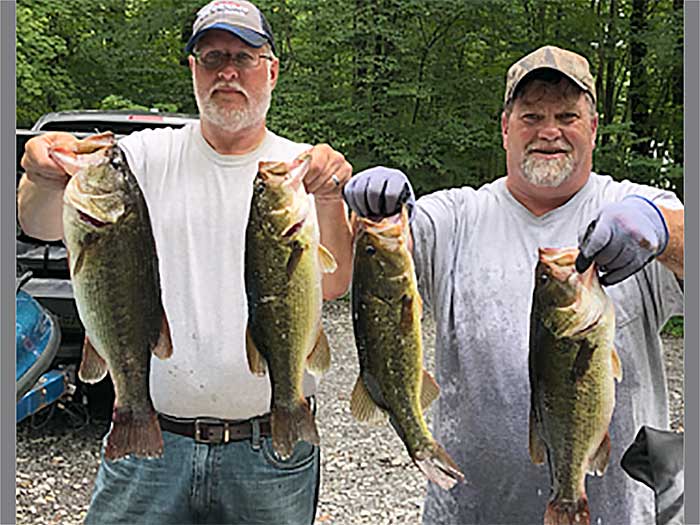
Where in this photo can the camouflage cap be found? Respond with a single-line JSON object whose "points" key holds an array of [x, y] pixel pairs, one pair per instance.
{"points": [[574, 66]]}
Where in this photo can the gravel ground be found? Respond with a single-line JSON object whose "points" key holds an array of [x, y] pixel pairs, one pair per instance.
{"points": [[367, 476]]}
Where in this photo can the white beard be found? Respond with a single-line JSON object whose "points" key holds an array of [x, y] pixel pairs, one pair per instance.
{"points": [[233, 120], [547, 173]]}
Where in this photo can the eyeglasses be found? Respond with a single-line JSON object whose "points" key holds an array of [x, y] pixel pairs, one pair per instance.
{"points": [[216, 58]]}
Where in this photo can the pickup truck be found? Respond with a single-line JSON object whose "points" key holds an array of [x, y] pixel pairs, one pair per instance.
{"points": [[50, 282]]}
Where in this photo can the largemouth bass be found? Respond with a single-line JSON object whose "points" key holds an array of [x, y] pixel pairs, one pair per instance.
{"points": [[387, 309], [284, 263], [573, 367], [114, 272]]}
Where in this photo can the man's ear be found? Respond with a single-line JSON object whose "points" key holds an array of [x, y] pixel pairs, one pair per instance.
{"points": [[274, 72], [190, 62], [504, 130], [594, 129]]}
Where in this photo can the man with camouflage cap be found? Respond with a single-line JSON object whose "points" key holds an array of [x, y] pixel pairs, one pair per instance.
{"points": [[475, 251]]}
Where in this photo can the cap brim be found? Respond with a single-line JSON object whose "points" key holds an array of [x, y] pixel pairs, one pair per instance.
{"points": [[581, 86], [250, 37]]}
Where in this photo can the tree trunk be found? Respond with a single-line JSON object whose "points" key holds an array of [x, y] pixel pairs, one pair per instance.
{"points": [[608, 100], [639, 82], [677, 84]]}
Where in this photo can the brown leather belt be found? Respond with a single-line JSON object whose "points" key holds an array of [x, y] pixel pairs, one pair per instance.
{"points": [[217, 431], [214, 431]]}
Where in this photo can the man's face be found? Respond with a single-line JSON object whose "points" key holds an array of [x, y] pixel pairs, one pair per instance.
{"points": [[550, 135], [231, 98]]}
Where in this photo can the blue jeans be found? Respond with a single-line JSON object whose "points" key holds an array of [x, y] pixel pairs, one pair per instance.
{"points": [[241, 482]]}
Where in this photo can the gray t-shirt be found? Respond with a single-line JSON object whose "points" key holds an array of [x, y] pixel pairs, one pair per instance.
{"points": [[475, 253]]}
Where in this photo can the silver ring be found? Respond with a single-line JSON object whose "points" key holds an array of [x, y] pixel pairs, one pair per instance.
{"points": [[335, 180]]}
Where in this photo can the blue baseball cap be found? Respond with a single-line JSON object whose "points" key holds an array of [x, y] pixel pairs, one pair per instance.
{"points": [[240, 18]]}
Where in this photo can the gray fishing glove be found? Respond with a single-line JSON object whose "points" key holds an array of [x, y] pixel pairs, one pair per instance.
{"points": [[379, 192], [624, 237]]}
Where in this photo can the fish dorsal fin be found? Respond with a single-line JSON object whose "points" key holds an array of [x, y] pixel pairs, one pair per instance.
{"points": [[598, 463], [429, 391], [616, 365], [256, 362], [319, 360], [363, 407], [93, 368], [328, 263], [163, 348], [535, 444]]}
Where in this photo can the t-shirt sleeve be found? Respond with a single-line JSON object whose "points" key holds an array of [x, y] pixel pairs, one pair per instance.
{"points": [[437, 232], [134, 148], [664, 198]]}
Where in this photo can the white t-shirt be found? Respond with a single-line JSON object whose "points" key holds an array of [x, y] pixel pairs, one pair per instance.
{"points": [[199, 202], [475, 253]]}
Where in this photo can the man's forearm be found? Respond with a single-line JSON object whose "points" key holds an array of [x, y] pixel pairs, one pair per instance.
{"points": [[337, 238], [672, 257], [40, 208]]}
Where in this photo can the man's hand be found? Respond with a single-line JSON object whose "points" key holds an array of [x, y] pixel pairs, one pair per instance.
{"points": [[327, 173], [379, 192], [624, 237], [39, 166]]}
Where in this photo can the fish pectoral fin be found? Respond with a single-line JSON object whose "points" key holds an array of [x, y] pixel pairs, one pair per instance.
{"points": [[294, 258], [363, 407], [75, 264], [256, 362], [429, 391], [535, 443], [616, 365], [598, 463], [328, 262], [319, 360], [163, 348], [93, 368], [583, 360]]}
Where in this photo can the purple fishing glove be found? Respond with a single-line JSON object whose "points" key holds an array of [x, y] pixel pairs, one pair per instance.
{"points": [[624, 237], [379, 192]]}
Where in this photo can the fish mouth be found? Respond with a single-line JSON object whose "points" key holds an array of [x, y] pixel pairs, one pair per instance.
{"points": [[90, 220], [294, 228], [589, 326]]}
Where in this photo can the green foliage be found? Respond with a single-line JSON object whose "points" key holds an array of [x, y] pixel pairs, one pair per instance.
{"points": [[119, 102], [674, 327], [406, 83]]}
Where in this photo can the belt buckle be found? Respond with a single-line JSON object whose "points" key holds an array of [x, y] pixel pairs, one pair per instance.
{"points": [[211, 431]]}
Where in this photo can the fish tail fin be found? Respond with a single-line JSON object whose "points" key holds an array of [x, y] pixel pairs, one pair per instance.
{"points": [[563, 512], [291, 424], [438, 467], [134, 433]]}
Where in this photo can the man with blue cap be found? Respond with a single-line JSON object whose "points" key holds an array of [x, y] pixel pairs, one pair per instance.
{"points": [[218, 465]]}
